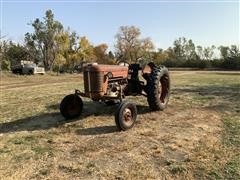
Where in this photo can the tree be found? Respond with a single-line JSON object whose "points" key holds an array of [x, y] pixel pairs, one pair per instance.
{"points": [[101, 55], [86, 52], [160, 56], [11, 52], [129, 47], [67, 49], [16, 52], [234, 51], [224, 51], [190, 52], [200, 52], [184, 49], [208, 53], [62, 44], [34, 53], [73, 40], [52, 28], [145, 50], [231, 57], [179, 47], [43, 38], [4, 60]]}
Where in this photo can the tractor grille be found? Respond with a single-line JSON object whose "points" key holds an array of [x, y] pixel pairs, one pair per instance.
{"points": [[93, 81], [85, 80]]}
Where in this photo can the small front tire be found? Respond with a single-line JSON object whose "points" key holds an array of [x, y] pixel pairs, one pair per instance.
{"points": [[125, 116], [71, 106]]}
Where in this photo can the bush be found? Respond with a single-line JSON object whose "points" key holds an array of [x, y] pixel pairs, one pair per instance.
{"points": [[5, 65], [186, 63], [196, 64], [231, 63], [217, 63], [172, 63]]}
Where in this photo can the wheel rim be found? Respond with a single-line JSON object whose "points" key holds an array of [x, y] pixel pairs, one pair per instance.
{"points": [[127, 116], [159, 90], [163, 89]]}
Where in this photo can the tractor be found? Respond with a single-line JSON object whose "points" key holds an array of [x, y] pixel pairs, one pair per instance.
{"points": [[112, 83]]}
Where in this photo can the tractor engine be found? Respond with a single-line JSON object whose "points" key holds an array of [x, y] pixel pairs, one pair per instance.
{"points": [[104, 81], [113, 89]]}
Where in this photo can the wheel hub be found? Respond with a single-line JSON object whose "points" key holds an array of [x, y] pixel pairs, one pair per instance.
{"points": [[127, 115]]}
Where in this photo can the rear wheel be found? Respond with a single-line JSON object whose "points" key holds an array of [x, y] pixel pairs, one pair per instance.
{"points": [[125, 116], [71, 106], [158, 89]]}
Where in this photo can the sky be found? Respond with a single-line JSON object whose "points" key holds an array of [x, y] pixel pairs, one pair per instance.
{"points": [[205, 22]]}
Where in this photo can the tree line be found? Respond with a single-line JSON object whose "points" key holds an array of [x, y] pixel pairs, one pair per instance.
{"points": [[56, 47]]}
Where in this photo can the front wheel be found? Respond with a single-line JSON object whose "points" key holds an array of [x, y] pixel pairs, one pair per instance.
{"points": [[71, 106], [125, 116]]}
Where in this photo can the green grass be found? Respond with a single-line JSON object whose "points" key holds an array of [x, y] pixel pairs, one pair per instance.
{"points": [[201, 99], [42, 150], [232, 131], [27, 140], [232, 142], [232, 168], [177, 169]]}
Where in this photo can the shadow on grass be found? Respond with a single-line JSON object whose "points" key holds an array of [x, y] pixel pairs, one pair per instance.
{"points": [[228, 94], [97, 130], [50, 120]]}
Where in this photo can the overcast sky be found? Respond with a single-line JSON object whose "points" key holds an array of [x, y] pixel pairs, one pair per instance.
{"points": [[206, 23]]}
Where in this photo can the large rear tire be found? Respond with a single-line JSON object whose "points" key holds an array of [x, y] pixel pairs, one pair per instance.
{"points": [[71, 106], [125, 116], [158, 88]]}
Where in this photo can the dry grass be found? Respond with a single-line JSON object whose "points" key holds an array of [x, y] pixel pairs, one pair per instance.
{"points": [[197, 136]]}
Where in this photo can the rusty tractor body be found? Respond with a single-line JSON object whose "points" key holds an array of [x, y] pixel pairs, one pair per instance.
{"points": [[112, 83], [104, 81]]}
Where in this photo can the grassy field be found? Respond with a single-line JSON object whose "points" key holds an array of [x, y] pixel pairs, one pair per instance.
{"points": [[196, 137]]}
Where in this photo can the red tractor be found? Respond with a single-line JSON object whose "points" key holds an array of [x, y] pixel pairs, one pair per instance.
{"points": [[112, 83]]}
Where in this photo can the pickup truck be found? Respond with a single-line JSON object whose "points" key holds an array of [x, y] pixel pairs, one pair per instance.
{"points": [[26, 67]]}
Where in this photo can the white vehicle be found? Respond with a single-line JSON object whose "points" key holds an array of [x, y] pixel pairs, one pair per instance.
{"points": [[26, 67]]}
